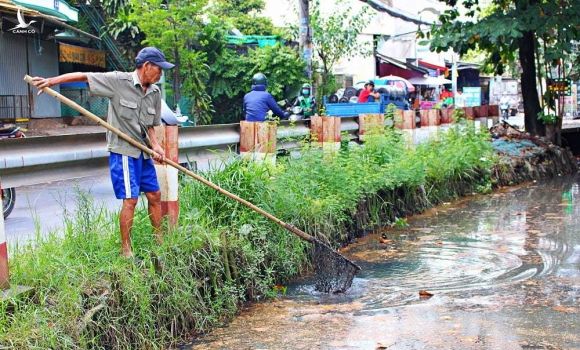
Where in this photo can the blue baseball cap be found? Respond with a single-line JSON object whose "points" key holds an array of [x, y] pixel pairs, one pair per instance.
{"points": [[153, 55]]}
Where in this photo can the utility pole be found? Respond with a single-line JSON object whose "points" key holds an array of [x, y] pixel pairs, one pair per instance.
{"points": [[305, 36], [454, 73]]}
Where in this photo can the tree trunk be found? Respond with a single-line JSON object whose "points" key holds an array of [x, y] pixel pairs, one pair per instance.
{"points": [[531, 100], [553, 133], [527, 54]]}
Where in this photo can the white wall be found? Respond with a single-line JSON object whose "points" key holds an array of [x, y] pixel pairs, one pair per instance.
{"points": [[361, 67]]}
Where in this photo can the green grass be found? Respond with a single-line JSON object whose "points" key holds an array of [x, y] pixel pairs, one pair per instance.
{"points": [[223, 254]]}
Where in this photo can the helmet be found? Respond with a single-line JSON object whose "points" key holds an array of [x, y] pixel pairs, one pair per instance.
{"points": [[306, 89], [259, 79], [371, 83]]}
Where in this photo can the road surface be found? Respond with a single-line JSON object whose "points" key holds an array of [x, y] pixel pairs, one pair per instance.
{"points": [[41, 208]]}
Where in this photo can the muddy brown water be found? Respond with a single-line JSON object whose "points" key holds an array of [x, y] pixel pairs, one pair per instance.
{"points": [[503, 270]]}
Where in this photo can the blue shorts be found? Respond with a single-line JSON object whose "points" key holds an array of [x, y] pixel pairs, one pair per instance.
{"points": [[131, 176]]}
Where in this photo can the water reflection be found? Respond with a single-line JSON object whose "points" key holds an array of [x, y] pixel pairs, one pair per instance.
{"points": [[503, 270], [480, 243]]}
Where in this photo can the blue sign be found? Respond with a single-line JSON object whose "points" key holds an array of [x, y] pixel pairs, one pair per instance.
{"points": [[472, 96]]}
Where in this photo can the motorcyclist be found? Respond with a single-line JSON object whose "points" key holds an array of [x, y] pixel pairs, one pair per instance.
{"points": [[258, 102], [306, 101], [504, 106]]}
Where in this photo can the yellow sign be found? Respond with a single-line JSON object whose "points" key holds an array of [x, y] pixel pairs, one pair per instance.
{"points": [[82, 55]]}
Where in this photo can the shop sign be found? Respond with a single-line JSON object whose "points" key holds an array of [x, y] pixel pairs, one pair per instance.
{"points": [[560, 87], [82, 55]]}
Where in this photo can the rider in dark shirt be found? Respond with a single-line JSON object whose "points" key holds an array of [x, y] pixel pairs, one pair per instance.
{"points": [[258, 102]]}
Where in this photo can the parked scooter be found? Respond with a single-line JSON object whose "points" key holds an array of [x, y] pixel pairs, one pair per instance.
{"points": [[10, 131], [9, 194], [8, 199]]}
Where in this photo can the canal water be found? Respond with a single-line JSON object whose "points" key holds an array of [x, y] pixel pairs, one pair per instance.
{"points": [[498, 271]]}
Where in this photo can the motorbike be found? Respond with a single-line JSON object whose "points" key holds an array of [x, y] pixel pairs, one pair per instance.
{"points": [[10, 131], [293, 113], [296, 113], [8, 200], [9, 194]]}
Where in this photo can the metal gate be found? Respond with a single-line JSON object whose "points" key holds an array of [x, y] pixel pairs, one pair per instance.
{"points": [[14, 107]]}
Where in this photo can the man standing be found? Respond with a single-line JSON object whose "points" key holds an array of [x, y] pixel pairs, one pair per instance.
{"points": [[258, 102], [459, 99], [369, 90], [134, 108]]}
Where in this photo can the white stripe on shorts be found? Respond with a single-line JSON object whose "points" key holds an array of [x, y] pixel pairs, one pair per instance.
{"points": [[126, 177]]}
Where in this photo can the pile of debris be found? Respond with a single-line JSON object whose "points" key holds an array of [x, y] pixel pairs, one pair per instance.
{"points": [[524, 157]]}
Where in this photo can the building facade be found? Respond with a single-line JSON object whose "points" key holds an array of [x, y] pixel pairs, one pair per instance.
{"points": [[21, 55], [35, 40]]}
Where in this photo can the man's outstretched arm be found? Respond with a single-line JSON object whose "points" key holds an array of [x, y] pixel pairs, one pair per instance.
{"points": [[41, 82], [275, 108]]}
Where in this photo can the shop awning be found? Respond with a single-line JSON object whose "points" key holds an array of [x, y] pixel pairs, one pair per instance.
{"points": [[82, 55], [393, 61], [400, 64], [433, 66], [8, 6], [430, 81], [57, 8]]}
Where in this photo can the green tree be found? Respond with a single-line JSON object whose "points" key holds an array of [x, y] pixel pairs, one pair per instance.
{"points": [[189, 39], [214, 76], [231, 77], [513, 30], [334, 37], [244, 15]]}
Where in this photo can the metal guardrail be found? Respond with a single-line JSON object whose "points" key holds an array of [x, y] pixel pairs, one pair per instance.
{"points": [[36, 160]]}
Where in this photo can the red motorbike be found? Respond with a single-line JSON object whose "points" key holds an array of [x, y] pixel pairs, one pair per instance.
{"points": [[9, 194]]}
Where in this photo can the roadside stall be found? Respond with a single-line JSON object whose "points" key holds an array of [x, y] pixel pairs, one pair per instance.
{"points": [[430, 93]]}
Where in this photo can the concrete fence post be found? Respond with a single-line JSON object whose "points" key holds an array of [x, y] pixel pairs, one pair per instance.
{"points": [[369, 123], [168, 176], [407, 124], [434, 118], [325, 131], [409, 120], [258, 141], [424, 113], [447, 115], [469, 113], [398, 119]]}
